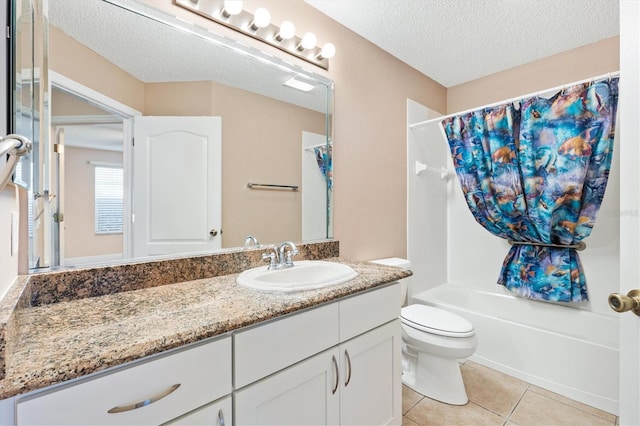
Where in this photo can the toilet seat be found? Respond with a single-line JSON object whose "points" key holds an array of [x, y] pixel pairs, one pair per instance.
{"points": [[436, 321]]}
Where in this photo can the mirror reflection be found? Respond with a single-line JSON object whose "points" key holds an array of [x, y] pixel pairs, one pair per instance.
{"points": [[157, 127]]}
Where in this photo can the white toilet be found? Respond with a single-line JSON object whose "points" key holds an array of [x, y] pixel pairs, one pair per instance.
{"points": [[433, 341]]}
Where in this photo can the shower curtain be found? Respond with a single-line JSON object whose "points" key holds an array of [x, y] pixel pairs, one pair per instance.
{"points": [[324, 158], [535, 173]]}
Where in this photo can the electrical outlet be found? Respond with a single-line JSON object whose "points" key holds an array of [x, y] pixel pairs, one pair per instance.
{"points": [[15, 220]]}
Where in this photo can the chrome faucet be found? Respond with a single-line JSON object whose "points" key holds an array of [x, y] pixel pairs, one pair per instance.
{"points": [[280, 257], [251, 241], [286, 255]]}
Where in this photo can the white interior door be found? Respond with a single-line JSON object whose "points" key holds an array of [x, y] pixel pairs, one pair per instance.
{"points": [[629, 208], [176, 185]]}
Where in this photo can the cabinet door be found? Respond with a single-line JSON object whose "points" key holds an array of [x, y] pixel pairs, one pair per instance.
{"points": [[371, 377], [305, 394], [218, 413]]}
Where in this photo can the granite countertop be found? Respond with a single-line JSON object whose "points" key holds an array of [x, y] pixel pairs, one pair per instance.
{"points": [[62, 341]]}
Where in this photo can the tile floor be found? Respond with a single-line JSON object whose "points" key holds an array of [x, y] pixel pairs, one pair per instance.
{"points": [[498, 399]]}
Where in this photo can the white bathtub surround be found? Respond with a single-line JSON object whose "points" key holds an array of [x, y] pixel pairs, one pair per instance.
{"points": [[573, 352], [446, 245], [427, 196]]}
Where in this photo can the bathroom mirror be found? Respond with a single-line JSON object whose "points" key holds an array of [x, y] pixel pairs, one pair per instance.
{"points": [[152, 131]]}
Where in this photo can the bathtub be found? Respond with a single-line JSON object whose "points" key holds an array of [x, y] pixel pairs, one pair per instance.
{"points": [[570, 351]]}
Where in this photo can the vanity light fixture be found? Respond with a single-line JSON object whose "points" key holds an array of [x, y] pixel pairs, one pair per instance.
{"points": [[230, 8], [258, 26], [328, 51], [287, 31], [261, 19], [308, 41]]}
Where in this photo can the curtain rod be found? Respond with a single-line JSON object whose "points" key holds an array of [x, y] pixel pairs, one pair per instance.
{"points": [[518, 98]]}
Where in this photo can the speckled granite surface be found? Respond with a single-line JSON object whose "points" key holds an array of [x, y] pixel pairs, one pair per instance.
{"points": [[60, 286], [61, 341], [72, 284]]}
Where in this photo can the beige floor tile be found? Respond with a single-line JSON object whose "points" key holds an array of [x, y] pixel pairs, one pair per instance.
{"points": [[580, 406], [491, 389], [408, 422], [429, 412], [537, 409], [409, 398]]}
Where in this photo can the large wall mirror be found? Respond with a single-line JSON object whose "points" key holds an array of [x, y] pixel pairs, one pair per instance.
{"points": [[151, 131]]}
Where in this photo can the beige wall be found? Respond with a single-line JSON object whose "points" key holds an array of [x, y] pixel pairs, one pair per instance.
{"points": [[579, 64], [83, 65], [63, 104], [79, 209]]}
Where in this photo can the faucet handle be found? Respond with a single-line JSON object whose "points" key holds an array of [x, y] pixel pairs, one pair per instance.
{"points": [[289, 254], [271, 258]]}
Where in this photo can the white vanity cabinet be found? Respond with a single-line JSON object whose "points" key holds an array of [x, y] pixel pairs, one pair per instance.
{"points": [[336, 363], [355, 381], [218, 413], [144, 393]]}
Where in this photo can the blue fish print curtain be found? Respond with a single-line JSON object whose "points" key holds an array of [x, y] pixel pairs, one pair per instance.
{"points": [[537, 174], [324, 158]]}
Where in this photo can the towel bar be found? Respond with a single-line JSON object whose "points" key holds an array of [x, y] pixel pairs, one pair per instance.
{"points": [[271, 186]]}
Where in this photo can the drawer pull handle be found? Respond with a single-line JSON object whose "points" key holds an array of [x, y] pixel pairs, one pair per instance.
{"points": [[346, 354], [221, 417], [145, 402], [335, 367]]}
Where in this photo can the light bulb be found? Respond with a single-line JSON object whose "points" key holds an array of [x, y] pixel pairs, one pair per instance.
{"points": [[308, 41], [328, 51], [261, 19], [287, 31], [231, 7]]}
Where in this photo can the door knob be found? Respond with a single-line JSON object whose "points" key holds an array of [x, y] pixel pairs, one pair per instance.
{"points": [[213, 232], [621, 303]]}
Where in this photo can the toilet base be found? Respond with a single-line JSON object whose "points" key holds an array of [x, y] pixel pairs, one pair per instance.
{"points": [[434, 377]]}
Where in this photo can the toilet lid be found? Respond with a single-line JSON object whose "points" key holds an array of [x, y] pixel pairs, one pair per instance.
{"points": [[437, 321]]}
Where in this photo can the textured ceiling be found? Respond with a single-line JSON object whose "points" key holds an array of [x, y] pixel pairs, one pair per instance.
{"points": [[455, 41], [451, 41]]}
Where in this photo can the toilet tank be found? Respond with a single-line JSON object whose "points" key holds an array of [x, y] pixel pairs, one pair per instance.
{"points": [[400, 263]]}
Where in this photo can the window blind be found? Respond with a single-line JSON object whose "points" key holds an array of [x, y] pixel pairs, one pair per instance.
{"points": [[109, 200]]}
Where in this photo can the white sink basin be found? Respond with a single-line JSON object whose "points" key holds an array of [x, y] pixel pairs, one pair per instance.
{"points": [[304, 275]]}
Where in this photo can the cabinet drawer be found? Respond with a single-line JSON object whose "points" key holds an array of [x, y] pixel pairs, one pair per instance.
{"points": [[218, 413], [202, 372], [369, 310], [271, 347]]}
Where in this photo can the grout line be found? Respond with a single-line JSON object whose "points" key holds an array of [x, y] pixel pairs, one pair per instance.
{"points": [[417, 402], [519, 401]]}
